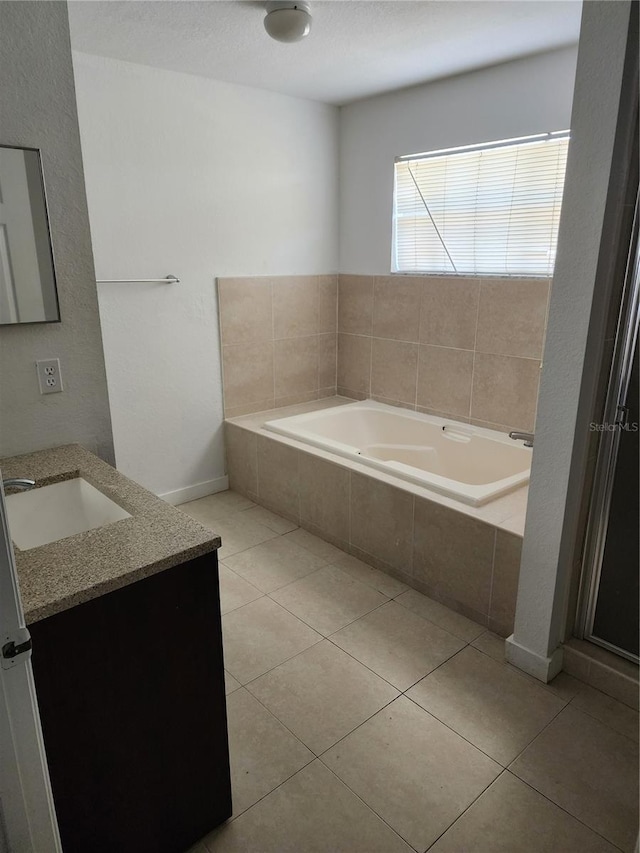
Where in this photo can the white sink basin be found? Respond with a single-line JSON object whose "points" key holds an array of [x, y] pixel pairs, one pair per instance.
{"points": [[54, 512]]}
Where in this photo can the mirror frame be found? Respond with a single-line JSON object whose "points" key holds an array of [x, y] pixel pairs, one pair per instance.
{"points": [[38, 152]]}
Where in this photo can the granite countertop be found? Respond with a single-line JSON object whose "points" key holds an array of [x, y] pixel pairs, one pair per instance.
{"points": [[59, 575]]}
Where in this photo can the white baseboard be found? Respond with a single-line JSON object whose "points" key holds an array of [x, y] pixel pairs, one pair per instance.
{"points": [[542, 668], [198, 490]]}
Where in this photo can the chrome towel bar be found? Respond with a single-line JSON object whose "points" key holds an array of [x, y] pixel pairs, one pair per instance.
{"points": [[168, 279]]}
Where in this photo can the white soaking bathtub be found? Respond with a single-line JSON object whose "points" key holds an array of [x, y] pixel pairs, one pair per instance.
{"points": [[471, 464]]}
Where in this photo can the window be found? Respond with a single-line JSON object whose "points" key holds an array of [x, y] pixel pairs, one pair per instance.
{"points": [[480, 210]]}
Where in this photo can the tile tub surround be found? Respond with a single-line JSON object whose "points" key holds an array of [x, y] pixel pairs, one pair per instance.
{"points": [[457, 346], [279, 343], [467, 558]]}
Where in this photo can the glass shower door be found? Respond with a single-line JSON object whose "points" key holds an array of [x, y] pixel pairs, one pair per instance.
{"points": [[616, 614], [611, 564]]}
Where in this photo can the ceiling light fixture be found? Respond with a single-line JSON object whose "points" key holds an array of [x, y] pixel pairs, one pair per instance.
{"points": [[287, 22]]}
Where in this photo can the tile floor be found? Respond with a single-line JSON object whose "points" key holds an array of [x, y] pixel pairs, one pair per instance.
{"points": [[364, 717]]}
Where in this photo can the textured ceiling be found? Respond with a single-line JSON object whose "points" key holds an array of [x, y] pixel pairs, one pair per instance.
{"points": [[356, 48]]}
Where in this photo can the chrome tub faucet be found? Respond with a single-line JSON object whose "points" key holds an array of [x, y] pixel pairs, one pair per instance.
{"points": [[527, 437]]}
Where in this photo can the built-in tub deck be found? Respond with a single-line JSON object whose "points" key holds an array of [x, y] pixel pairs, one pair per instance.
{"points": [[398, 517], [468, 463]]}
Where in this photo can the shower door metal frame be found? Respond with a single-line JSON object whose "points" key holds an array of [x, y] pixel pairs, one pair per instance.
{"points": [[615, 412]]}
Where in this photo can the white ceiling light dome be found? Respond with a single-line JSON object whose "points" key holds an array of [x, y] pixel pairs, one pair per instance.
{"points": [[287, 21]]}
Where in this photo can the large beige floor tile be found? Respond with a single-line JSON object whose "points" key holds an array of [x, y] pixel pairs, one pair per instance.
{"points": [[397, 644], [274, 564], [490, 644], [487, 703], [313, 812], [329, 599], [230, 684], [563, 685], [262, 635], [314, 544], [271, 520], [588, 769], [216, 506], [620, 717], [322, 695], [262, 752], [234, 590], [417, 774], [239, 533], [440, 615], [381, 581], [510, 817]]}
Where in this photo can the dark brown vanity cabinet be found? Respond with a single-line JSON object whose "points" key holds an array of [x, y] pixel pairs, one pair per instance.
{"points": [[131, 693]]}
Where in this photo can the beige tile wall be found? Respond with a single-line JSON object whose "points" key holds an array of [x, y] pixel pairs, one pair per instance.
{"points": [[469, 348], [467, 564], [279, 342]]}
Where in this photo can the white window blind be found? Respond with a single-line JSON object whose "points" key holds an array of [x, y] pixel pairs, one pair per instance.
{"points": [[487, 209]]}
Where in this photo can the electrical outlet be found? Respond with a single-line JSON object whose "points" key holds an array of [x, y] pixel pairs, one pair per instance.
{"points": [[49, 376]]}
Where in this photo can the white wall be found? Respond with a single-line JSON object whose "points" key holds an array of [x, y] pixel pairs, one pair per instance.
{"points": [[200, 179], [515, 99], [38, 109]]}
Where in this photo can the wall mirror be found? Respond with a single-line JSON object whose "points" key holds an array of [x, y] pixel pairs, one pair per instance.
{"points": [[28, 291]]}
